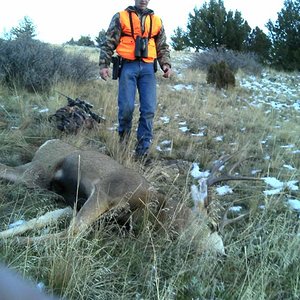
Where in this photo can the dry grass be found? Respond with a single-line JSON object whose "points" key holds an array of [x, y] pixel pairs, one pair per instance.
{"points": [[262, 251]]}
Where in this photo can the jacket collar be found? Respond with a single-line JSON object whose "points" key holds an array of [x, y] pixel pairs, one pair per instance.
{"points": [[147, 11]]}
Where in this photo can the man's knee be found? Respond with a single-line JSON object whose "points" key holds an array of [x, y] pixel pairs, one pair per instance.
{"points": [[147, 115]]}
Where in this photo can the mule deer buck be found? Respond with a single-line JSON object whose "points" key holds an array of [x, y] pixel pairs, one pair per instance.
{"points": [[95, 183]]}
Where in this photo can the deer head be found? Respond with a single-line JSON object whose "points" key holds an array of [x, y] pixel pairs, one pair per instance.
{"points": [[94, 184]]}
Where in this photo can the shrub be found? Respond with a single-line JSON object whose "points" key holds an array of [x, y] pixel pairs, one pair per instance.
{"points": [[247, 62], [220, 75], [36, 66]]}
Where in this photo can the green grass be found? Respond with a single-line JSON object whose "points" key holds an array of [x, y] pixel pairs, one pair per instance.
{"points": [[262, 250]]}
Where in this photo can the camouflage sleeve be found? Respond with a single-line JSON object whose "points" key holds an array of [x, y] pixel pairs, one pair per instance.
{"points": [[162, 48], [110, 42]]}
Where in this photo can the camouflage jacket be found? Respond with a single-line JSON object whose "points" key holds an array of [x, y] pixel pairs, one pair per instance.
{"points": [[113, 35]]}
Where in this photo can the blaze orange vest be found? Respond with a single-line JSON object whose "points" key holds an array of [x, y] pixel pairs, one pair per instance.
{"points": [[129, 33]]}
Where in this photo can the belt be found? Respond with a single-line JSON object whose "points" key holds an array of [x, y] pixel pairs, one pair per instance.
{"points": [[131, 61]]}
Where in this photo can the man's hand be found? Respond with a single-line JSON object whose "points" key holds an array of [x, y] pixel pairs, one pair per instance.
{"points": [[167, 71], [104, 73]]}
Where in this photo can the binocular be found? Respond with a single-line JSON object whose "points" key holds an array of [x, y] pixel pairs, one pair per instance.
{"points": [[141, 47]]}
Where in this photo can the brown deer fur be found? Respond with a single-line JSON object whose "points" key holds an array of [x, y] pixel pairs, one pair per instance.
{"points": [[95, 183]]}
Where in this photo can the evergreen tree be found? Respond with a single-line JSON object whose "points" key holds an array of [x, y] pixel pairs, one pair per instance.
{"points": [[236, 31], [206, 26], [285, 37], [71, 42], [212, 27], [101, 36], [26, 29], [259, 43], [179, 39], [85, 41]]}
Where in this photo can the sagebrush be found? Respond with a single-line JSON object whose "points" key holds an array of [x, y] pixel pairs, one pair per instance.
{"points": [[37, 66]]}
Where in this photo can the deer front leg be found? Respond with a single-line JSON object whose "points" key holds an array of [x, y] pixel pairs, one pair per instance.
{"points": [[96, 205], [37, 223]]}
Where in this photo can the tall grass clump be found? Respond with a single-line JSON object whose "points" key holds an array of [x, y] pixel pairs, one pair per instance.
{"points": [[36, 66]]}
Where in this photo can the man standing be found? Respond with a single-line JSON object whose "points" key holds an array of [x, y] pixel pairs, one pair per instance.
{"points": [[139, 38]]}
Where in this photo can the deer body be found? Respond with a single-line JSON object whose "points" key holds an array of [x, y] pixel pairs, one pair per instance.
{"points": [[94, 183], [90, 180]]}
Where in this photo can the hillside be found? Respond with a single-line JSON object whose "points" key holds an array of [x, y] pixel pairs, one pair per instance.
{"points": [[257, 122]]}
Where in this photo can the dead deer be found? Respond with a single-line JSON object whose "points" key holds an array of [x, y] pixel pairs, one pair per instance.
{"points": [[94, 183]]}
